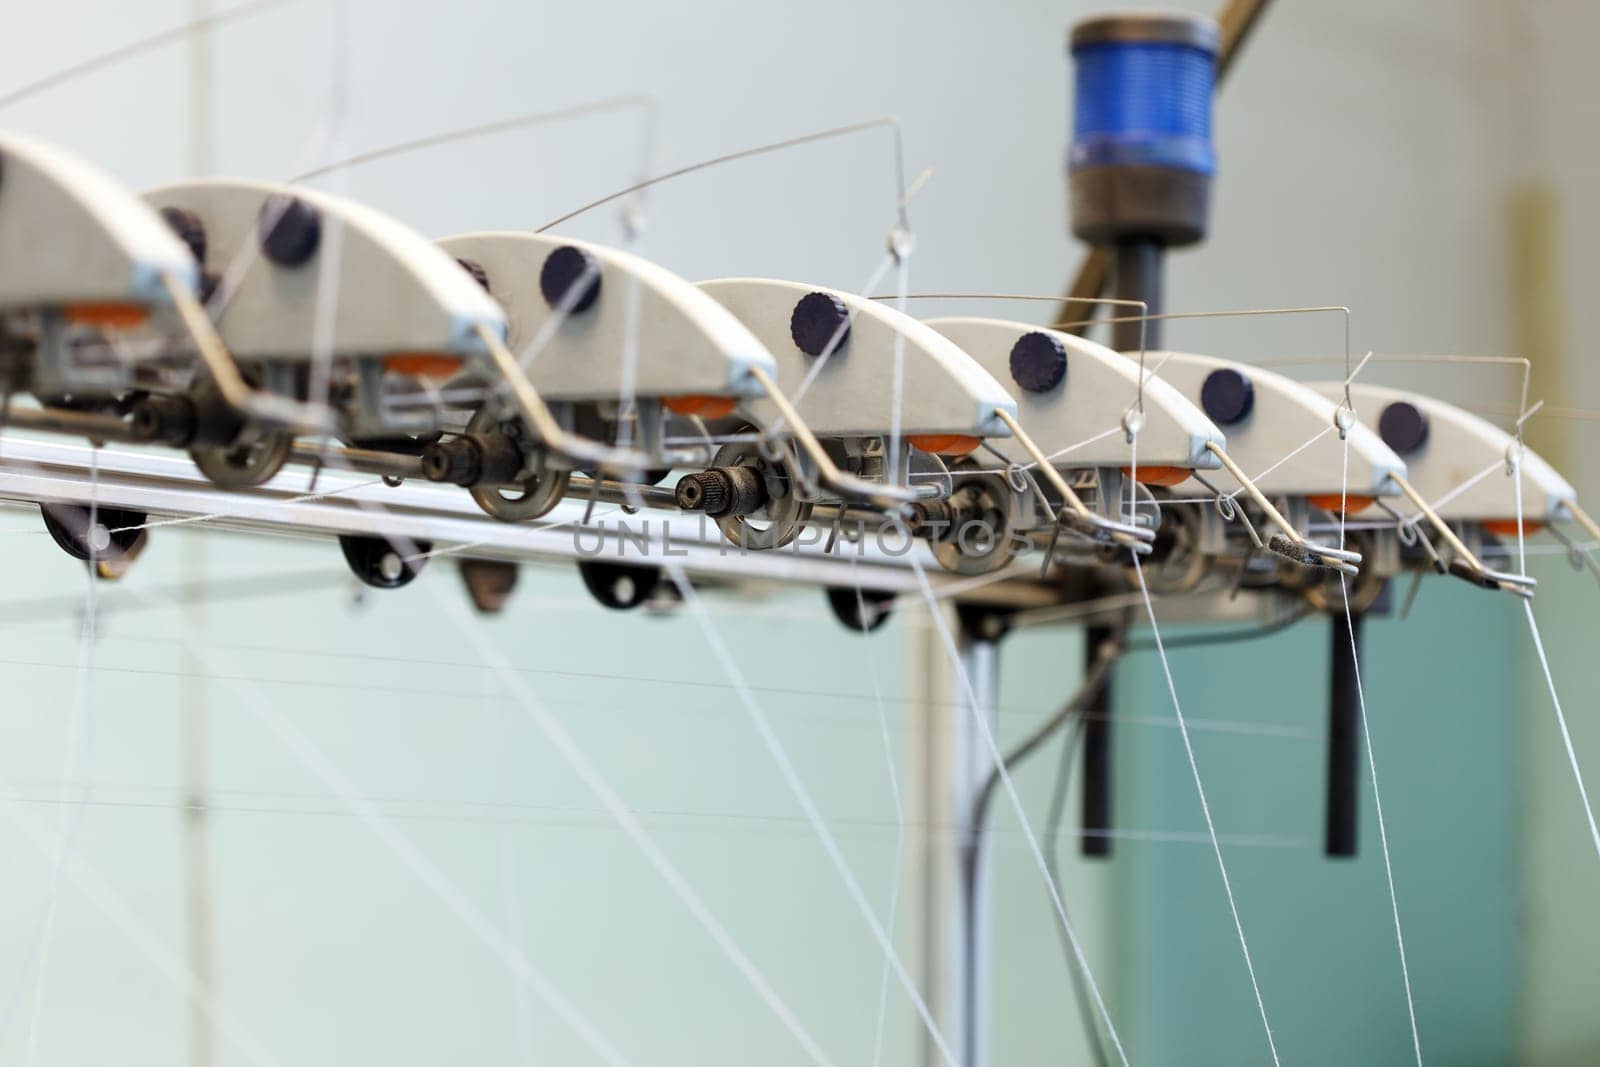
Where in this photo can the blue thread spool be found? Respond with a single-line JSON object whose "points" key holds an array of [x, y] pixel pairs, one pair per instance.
{"points": [[1141, 158]]}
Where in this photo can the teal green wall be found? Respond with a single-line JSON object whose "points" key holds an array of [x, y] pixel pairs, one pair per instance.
{"points": [[1561, 883], [1444, 707]]}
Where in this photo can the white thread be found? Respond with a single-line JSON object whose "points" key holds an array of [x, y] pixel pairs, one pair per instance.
{"points": [[1462, 488], [108, 903], [302, 498], [629, 823], [998, 759], [420, 866], [1372, 767], [1086, 442], [1205, 808], [899, 832], [79, 747], [780, 756], [1319, 435], [1549, 680]]}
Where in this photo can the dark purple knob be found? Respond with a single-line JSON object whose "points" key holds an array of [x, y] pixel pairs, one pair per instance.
{"points": [[1227, 396], [564, 269], [1038, 362], [1403, 427], [289, 230], [820, 322]]}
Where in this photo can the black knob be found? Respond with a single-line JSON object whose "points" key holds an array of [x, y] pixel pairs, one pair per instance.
{"points": [[479, 275], [820, 322], [1403, 427], [1227, 396], [289, 230], [565, 268], [1038, 362], [168, 419], [458, 460], [720, 491], [190, 230], [707, 491]]}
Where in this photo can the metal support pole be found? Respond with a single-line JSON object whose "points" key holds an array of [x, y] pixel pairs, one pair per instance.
{"points": [[947, 902], [1344, 737], [1137, 268], [1097, 765], [973, 761], [1137, 275]]}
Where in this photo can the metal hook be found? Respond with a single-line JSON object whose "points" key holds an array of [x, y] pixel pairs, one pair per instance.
{"points": [[1465, 564], [847, 485], [291, 414], [543, 422], [1288, 542], [1076, 513]]}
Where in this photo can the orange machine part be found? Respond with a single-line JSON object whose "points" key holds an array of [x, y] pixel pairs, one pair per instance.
{"points": [[1159, 475], [1508, 527], [107, 314], [1331, 502], [423, 364], [944, 444], [707, 407]]}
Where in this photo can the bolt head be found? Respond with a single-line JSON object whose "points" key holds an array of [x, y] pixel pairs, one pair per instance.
{"points": [[1403, 427], [1227, 396], [689, 492], [289, 230], [479, 275], [566, 269], [818, 319], [189, 229], [1038, 362]]}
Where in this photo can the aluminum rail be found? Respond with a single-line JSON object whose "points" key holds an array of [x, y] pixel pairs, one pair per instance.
{"points": [[167, 486]]}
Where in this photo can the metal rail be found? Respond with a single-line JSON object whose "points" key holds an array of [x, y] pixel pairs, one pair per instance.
{"points": [[344, 501]]}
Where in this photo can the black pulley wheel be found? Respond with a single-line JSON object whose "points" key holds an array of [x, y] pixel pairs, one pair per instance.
{"points": [[111, 540], [619, 586], [861, 610], [381, 563]]}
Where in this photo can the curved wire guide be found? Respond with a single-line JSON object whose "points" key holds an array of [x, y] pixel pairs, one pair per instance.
{"points": [[1291, 434], [1452, 458], [1076, 405], [329, 308], [613, 341], [79, 255], [837, 356]]}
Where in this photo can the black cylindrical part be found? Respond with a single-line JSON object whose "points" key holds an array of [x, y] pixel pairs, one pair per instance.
{"points": [[169, 420], [473, 459], [722, 491], [1344, 737], [1136, 274], [1097, 780]]}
